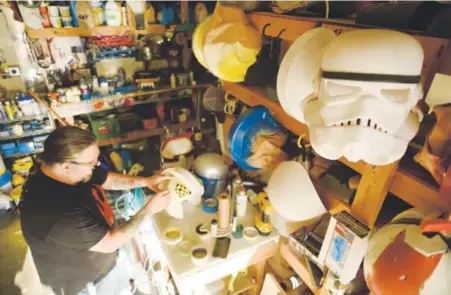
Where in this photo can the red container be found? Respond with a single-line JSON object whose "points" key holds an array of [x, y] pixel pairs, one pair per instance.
{"points": [[150, 123]]}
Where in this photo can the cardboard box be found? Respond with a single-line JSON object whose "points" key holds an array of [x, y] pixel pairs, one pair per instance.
{"points": [[344, 246]]}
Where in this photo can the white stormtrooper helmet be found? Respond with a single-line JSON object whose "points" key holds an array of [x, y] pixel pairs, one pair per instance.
{"points": [[363, 105]]}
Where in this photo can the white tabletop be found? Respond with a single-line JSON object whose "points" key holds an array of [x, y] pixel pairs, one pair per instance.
{"points": [[240, 253]]}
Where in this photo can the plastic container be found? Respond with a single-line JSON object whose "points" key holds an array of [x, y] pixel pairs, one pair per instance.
{"points": [[113, 14], [5, 178], [241, 204], [45, 16], [25, 147], [67, 22], [39, 141], [8, 111], [64, 11], [2, 166], [99, 17], [56, 21], [53, 11]]}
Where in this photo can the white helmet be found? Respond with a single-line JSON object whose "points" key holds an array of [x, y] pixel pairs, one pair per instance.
{"points": [[359, 97]]}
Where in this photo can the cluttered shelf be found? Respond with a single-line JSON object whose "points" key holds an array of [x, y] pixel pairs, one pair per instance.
{"points": [[30, 134], [79, 32], [97, 31], [19, 155], [23, 119], [115, 101], [140, 134], [411, 189]]}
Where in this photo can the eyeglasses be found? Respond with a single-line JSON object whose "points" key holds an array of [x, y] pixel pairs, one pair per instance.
{"points": [[97, 164]]}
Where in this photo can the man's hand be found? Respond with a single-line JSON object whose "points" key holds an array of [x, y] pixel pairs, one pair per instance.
{"points": [[153, 182], [123, 233], [158, 202]]}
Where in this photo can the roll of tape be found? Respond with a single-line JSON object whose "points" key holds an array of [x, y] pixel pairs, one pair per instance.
{"points": [[210, 205], [202, 231], [250, 233], [199, 255], [172, 236], [185, 247]]}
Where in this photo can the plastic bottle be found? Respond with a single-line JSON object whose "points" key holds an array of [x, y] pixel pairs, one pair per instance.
{"points": [[8, 111], [172, 81], [3, 115], [214, 227], [241, 204], [113, 14], [2, 166], [124, 13], [149, 15]]}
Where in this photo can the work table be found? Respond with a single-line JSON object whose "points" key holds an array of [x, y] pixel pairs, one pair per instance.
{"points": [[190, 278]]}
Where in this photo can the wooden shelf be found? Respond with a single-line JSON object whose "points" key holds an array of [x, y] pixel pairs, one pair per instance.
{"points": [[156, 28], [298, 264], [80, 32], [97, 31], [90, 106], [297, 25], [410, 189], [140, 134]]}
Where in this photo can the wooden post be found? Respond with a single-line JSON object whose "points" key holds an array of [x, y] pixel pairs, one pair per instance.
{"points": [[372, 192], [184, 12]]}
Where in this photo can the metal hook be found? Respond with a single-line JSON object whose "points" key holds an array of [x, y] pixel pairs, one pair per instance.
{"points": [[264, 29], [280, 33]]}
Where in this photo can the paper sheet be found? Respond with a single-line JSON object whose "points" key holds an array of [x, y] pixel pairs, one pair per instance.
{"points": [[440, 91]]}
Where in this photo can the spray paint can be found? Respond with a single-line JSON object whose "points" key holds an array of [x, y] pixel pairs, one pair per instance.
{"points": [[236, 186], [214, 227], [241, 204]]}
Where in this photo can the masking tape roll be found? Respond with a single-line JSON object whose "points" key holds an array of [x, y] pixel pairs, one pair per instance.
{"points": [[185, 247], [172, 236], [223, 211], [199, 255], [210, 205], [202, 231], [250, 233]]}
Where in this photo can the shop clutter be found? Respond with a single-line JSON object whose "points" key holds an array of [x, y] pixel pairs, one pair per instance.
{"points": [[23, 126], [90, 14]]}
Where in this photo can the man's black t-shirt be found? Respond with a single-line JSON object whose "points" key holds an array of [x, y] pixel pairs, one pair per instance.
{"points": [[60, 223]]}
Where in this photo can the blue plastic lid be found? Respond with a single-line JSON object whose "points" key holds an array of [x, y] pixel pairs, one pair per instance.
{"points": [[243, 131]]}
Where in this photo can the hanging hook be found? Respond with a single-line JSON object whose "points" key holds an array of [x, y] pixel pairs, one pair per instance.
{"points": [[264, 29], [280, 33]]}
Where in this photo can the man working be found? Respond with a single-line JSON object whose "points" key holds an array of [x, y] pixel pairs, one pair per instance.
{"points": [[66, 219]]}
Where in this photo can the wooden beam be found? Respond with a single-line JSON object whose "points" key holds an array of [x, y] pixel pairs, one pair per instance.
{"points": [[417, 193], [293, 26], [184, 11], [299, 265], [372, 192]]}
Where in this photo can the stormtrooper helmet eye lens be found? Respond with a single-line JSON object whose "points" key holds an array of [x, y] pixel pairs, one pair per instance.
{"points": [[396, 95], [338, 89]]}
